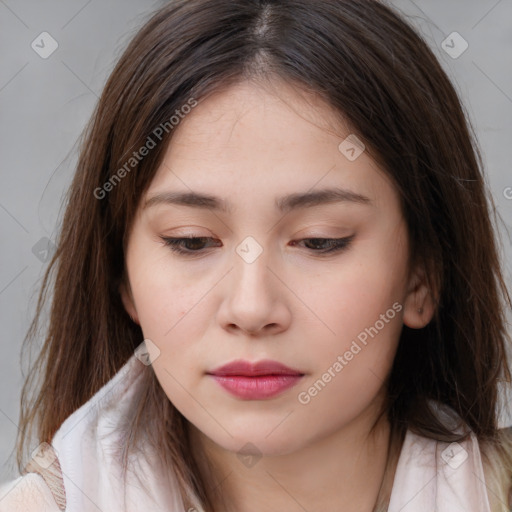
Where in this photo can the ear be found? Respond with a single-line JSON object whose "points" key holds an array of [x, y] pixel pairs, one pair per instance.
{"points": [[128, 302], [419, 306]]}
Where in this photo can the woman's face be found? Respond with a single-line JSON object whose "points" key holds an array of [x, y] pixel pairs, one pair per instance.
{"points": [[255, 286]]}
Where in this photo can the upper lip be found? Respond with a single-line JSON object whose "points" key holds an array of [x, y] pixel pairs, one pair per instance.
{"points": [[248, 369]]}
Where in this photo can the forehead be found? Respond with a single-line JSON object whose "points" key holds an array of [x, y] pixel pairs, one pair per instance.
{"points": [[264, 141], [263, 109]]}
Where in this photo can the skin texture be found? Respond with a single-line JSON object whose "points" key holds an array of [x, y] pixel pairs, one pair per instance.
{"points": [[250, 144]]}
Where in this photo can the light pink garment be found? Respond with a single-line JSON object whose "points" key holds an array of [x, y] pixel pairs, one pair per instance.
{"points": [[431, 476], [441, 477]]}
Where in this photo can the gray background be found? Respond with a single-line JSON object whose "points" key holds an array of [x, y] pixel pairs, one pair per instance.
{"points": [[45, 103]]}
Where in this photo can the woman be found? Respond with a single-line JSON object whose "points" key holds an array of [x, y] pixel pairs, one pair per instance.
{"points": [[283, 200]]}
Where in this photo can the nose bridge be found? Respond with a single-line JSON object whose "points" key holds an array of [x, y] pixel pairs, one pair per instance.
{"points": [[252, 300], [251, 294], [251, 267]]}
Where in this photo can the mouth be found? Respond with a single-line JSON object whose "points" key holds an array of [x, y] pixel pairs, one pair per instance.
{"points": [[256, 381]]}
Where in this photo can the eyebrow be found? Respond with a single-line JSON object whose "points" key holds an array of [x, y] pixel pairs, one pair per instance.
{"points": [[283, 204]]}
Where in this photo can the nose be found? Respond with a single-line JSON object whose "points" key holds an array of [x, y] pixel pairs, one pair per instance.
{"points": [[255, 300]]}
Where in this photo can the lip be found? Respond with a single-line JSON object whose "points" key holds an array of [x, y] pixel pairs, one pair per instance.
{"points": [[256, 381], [248, 369]]}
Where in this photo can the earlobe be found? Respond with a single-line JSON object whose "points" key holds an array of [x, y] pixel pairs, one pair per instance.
{"points": [[127, 298], [419, 306]]}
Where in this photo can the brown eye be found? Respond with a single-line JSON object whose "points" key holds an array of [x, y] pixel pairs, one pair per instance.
{"points": [[189, 245], [327, 245]]}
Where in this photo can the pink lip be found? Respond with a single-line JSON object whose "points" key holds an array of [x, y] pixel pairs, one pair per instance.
{"points": [[256, 381]]}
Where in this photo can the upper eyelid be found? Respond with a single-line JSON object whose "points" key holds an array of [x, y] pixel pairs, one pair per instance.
{"points": [[312, 237]]}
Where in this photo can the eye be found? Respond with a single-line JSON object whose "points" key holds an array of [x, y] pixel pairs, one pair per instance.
{"points": [[194, 245], [327, 245]]}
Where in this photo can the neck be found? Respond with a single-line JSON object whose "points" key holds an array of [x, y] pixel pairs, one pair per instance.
{"points": [[351, 467]]}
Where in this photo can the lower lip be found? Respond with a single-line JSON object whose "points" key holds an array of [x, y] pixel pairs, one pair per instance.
{"points": [[257, 388]]}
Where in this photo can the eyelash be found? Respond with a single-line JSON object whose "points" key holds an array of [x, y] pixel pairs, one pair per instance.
{"points": [[336, 244]]}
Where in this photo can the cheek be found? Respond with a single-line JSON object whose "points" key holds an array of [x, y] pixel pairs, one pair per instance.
{"points": [[349, 368], [352, 298], [360, 308], [161, 296]]}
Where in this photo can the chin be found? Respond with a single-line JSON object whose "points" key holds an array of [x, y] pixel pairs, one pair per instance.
{"points": [[258, 443]]}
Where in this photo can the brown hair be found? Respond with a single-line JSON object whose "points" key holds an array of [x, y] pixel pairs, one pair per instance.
{"points": [[382, 78]]}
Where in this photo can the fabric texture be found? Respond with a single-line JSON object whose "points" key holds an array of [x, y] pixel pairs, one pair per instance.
{"points": [[80, 471], [46, 464]]}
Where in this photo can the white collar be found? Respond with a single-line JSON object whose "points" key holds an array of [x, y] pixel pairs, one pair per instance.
{"points": [[438, 476]]}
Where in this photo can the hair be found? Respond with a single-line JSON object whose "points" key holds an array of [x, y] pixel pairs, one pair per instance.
{"points": [[374, 70]]}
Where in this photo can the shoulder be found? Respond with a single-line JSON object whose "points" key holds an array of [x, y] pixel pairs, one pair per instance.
{"points": [[28, 493], [497, 467]]}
